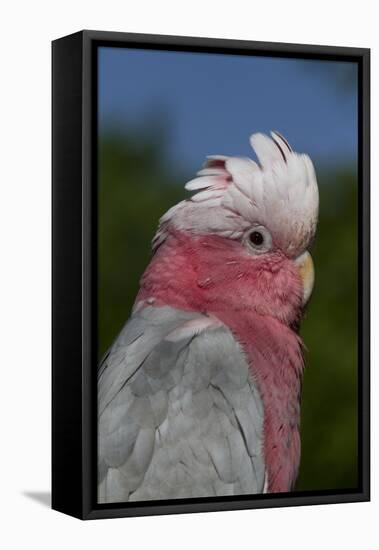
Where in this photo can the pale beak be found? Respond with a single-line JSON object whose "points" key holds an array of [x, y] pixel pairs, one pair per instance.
{"points": [[304, 264]]}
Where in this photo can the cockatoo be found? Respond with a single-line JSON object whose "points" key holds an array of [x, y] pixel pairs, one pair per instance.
{"points": [[199, 394]]}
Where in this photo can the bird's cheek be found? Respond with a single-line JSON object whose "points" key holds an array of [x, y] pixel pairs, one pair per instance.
{"points": [[304, 264]]}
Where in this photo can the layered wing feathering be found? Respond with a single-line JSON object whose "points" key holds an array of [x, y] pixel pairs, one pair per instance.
{"points": [[231, 194], [179, 414]]}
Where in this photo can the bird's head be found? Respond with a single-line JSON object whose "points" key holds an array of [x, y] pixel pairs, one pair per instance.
{"points": [[252, 225]]}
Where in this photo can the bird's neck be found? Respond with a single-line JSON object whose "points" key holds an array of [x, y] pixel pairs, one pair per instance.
{"points": [[274, 353]]}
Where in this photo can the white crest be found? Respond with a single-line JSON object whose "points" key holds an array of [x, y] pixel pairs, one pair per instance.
{"points": [[232, 194]]}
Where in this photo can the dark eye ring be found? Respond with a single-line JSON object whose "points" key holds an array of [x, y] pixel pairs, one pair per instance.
{"points": [[256, 238]]}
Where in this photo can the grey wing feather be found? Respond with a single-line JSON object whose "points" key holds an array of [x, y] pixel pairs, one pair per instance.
{"points": [[178, 417]]}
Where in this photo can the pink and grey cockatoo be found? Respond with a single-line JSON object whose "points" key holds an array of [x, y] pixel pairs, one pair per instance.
{"points": [[199, 394]]}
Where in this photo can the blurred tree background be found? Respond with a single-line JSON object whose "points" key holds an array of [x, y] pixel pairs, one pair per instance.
{"points": [[136, 186]]}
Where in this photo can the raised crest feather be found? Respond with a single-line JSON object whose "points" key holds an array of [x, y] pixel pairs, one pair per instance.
{"points": [[232, 193]]}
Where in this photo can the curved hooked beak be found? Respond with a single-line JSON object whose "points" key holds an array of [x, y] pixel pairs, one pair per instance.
{"points": [[304, 264]]}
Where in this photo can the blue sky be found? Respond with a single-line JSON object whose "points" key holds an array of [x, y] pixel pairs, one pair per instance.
{"points": [[211, 103]]}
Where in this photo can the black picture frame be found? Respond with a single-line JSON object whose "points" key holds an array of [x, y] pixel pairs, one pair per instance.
{"points": [[74, 131]]}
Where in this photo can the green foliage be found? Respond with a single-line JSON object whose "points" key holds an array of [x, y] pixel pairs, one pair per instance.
{"points": [[329, 398], [136, 187]]}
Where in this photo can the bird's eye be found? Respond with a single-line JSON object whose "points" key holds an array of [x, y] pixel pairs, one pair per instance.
{"points": [[258, 239]]}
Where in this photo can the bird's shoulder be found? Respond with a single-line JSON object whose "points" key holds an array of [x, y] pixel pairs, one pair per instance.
{"points": [[176, 399], [149, 331]]}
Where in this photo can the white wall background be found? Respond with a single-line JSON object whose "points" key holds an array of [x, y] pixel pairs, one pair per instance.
{"points": [[26, 31]]}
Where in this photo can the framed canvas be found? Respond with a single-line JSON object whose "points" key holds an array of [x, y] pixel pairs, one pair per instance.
{"points": [[202, 360]]}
